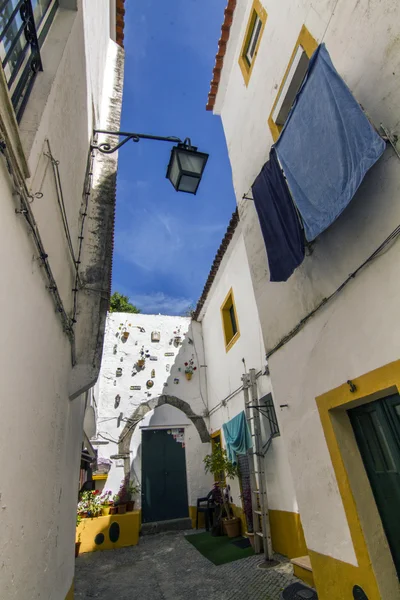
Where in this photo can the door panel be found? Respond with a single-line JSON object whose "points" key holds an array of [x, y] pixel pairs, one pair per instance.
{"points": [[164, 485], [377, 437]]}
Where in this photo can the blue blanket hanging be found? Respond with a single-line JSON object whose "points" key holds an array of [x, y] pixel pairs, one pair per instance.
{"points": [[237, 436], [280, 226], [326, 146]]}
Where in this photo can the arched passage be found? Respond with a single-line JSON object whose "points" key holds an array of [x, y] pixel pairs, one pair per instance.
{"points": [[124, 441]]}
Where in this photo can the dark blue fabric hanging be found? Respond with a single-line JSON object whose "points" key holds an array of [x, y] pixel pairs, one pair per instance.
{"points": [[280, 226], [326, 146]]}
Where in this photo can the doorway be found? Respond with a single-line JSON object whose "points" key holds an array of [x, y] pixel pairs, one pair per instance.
{"points": [[164, 483], [376, 426]]}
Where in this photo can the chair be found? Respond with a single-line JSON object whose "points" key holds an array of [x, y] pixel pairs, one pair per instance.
{"points": [[205, 505]]}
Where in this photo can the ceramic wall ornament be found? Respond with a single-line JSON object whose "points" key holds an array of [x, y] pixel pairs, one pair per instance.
{"points": [[167, 368], [169, 354], [117, 401], [115, 348], [176, 380], [155, 336], [153, 373], [136, 343], [122, 359], [149, 383], [115, 382], [153, 358], [177, 341], [119, 372], [135, 387]]}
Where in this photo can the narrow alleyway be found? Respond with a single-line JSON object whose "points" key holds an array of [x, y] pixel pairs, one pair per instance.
{"points": [[167, 567]]}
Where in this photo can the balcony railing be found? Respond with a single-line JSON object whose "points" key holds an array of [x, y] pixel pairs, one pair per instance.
{"points": [[23, 28]]}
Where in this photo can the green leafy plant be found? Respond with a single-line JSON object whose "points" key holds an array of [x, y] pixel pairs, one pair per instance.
{"points": [[120, 303], [216, 463], [133, 490]]}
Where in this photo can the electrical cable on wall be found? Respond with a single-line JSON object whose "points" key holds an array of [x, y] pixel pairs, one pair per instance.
{"points": [[391, 238], [20, 190]]}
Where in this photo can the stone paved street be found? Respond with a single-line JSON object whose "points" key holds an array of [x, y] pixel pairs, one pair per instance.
{"points": [[167, 567]]}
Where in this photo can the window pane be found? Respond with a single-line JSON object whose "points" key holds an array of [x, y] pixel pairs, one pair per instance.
{"points": [[291, 86], [39, 9], [233, 319], [188, 184], [255, 34]]}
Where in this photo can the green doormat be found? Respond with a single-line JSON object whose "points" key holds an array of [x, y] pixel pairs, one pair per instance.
{"points": [[219, 550]]}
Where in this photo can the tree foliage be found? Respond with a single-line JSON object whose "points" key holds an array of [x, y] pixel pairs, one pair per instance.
{"points": [[120, 303]]}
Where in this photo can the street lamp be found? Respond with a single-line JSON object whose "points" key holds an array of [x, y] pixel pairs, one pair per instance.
{"points": [[186, 165]]}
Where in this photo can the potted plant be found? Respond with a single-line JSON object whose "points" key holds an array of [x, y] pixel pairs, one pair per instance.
{"points": [[217, 462], [122, 497], [133, 490], [78, 541], [142, 360], [105, 502], [125, 333], [189, 369]]}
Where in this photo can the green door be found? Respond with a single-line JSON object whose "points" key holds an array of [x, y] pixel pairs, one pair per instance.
{"points": [[164, 486], [377, 430]]}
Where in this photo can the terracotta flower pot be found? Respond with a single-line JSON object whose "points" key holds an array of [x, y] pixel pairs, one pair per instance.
{"points": [[77, 546], [113, 510], [189, 376], [140, 362], [121, 509], [232, 527], [125, 335], [130, 506]]}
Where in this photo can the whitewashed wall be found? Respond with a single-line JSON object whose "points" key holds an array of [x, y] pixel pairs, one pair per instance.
{"points": [[355, 333], [167, 370], [41, 429], [225, 369]]}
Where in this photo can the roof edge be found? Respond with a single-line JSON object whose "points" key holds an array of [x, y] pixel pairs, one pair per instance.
{"points": [[219, 58], [233, 223]]}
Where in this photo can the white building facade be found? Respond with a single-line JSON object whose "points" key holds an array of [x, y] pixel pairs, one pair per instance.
{"points": [[61, 77], [344, 355]]}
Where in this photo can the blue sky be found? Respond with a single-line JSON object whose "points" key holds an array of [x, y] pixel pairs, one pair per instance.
{"points": [[165, 241]]}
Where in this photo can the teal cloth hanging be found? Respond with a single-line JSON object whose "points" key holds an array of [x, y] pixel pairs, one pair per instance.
{"points": [[237, 436]]}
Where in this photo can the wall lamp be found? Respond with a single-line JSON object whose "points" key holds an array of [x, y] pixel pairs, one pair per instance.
{"points": [[186, 164]]}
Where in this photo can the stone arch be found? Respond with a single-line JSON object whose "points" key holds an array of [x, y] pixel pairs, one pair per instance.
{"points": [[124, 440]]}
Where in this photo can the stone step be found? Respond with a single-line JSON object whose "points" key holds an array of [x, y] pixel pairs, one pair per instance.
{"points": [[171, 525], [302, 561]]}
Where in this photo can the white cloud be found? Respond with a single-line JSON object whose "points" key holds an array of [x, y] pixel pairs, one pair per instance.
{"points": [[157, 302]]}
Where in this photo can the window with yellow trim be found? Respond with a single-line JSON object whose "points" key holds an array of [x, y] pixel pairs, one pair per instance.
{"points": [[292, 80], [230, 323], [252, 38]]}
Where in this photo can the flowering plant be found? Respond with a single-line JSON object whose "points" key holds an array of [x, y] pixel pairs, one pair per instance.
{"points": [[105, 497], [90, 503], [189, 366]]}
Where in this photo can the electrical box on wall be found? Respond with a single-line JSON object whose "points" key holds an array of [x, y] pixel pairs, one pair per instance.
{"points": [[155, 336]]}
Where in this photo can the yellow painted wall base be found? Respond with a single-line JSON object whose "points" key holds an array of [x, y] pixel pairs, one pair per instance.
{"points": [[287, 533], [304, 575], [336, 579], [70, 595], [192, 515], [88, 529]]}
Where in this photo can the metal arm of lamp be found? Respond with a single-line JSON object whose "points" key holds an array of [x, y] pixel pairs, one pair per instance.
{"points": [[106, 148]]}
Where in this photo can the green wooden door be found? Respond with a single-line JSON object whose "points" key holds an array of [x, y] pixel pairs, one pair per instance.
{"points": [[377, 429], [164, 486]]}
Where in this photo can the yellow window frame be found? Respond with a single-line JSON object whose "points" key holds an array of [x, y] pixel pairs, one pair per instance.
{"points": [[257, 10], [309, 45], [230, 336]]}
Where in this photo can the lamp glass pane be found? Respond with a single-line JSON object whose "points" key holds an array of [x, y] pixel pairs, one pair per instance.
{"points": [[191, 161], [188, 184], [174, 170]]}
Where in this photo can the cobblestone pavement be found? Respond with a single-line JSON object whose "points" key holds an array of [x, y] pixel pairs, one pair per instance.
{"points": [[167, 567]]}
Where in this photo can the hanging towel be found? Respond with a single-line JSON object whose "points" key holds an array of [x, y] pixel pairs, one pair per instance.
{"points": [[280, 225], [326, 146], [237, 436]]}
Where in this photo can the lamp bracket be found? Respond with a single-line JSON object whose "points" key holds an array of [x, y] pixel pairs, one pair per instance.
{"points": [[107, 148]]}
